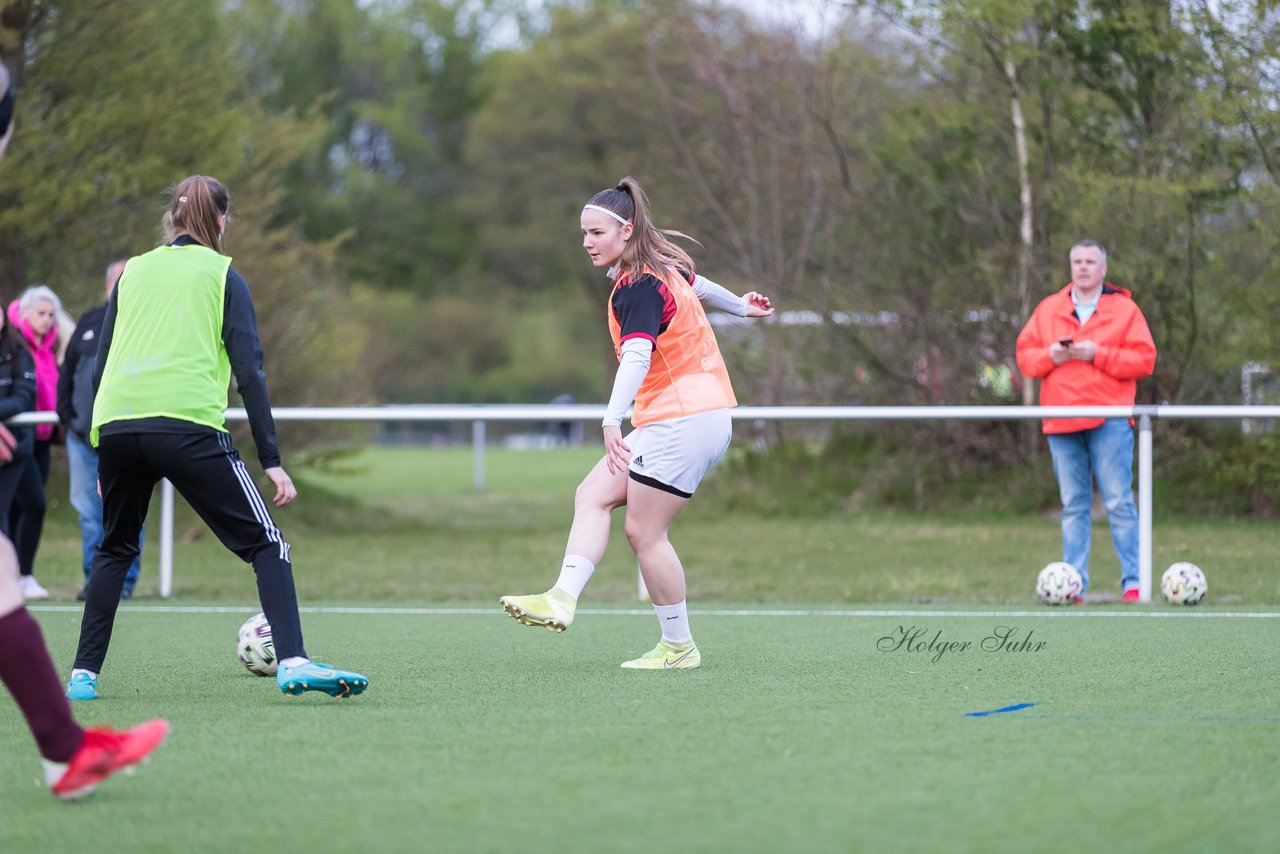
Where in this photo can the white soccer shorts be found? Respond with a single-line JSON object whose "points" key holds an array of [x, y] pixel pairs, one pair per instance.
{"points": [[675, 455]]}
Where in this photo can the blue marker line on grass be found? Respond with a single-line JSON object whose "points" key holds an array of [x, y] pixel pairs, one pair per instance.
{"points": [[1014, 708]]}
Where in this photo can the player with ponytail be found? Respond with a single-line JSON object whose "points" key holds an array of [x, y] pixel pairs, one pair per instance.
{"points": [[670, 365], [179, 324]]}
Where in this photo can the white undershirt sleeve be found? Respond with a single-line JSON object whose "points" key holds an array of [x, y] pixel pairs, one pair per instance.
{"points": [[633, 367], [717, 297]]}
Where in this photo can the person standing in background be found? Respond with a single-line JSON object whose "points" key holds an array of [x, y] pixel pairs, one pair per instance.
{"points": [[1089, 344], [17, 395], [75, 759], [75, 411], [35, 316]]}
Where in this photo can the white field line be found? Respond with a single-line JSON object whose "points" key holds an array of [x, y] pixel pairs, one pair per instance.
{"points": [[1072, 613]]}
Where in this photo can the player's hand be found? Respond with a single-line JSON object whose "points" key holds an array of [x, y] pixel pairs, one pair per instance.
{"points": [[617, 455], [285, 491], [1059, 354], [758, 305], [7, 444], [1083, 350]]}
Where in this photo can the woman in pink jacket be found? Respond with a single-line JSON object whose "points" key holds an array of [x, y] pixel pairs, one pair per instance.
{"points": [[35, 316]]}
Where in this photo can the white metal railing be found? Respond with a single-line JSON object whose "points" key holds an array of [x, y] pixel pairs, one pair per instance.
{"points": [[480, 414]]}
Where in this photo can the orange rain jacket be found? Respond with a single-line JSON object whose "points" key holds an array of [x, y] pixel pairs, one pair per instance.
{"points": [[1126, 354]]}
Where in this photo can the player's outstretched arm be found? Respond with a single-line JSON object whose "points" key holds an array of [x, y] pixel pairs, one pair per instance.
{"points": [[719, 297]]}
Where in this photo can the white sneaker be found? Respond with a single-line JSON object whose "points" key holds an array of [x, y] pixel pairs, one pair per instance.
{"points": [[31, 589]]}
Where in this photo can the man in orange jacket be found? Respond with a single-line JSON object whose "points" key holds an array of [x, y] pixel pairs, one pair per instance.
{"points": [[1089, 345]]}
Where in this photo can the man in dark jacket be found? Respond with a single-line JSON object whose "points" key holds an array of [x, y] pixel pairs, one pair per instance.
{"points": [[75, 411]]}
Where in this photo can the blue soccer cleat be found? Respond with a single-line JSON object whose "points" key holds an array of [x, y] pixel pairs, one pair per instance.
{"points": [[82, 687], [314, 676]]}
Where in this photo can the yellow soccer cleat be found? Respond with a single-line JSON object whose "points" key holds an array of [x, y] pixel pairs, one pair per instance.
{"points": [[553, 610], [667, 656]]}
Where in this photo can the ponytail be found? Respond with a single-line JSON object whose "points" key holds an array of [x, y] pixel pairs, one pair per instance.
{"points": [[650, 247], [194, 209]]}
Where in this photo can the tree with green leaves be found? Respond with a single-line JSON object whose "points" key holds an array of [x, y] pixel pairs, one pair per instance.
{"points": [[396, 85], [121, 100]]}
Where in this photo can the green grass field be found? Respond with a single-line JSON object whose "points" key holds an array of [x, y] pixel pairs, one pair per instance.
{"points": [[808, 728], [410, 529], [798, 733]]}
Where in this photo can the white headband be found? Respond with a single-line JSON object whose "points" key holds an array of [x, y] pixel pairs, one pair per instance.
{"points": [[604, 210]]}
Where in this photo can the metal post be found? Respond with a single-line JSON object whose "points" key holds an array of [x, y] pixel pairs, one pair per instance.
{"points": [[166, 539], [1144, 508], [477, 454]]}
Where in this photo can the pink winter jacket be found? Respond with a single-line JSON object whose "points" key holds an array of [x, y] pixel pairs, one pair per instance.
{"points": [[45, 354]]}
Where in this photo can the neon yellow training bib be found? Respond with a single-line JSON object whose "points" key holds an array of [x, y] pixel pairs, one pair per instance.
{"points": [[166, 357]]}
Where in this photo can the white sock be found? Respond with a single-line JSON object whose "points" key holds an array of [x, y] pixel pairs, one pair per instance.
{"points": [[674, 620], [575, 572], [53, 771], [90, 673], [294, 661]]}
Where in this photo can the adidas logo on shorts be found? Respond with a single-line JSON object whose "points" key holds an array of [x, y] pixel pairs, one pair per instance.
{"points": [[638, 462]]}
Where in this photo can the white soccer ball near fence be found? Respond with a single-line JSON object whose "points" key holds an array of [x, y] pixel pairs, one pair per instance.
{"points": [[1183, 584], [1059, 583]]}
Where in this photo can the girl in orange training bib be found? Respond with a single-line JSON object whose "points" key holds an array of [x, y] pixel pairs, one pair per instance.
{"points": [[670, 365]]}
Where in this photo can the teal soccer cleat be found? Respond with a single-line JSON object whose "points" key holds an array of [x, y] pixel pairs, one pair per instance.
{"points": [[314, 676], [82, 687]]}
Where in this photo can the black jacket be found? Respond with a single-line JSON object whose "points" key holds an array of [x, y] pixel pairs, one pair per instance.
{"points": [[17, 392], [75, 380]]}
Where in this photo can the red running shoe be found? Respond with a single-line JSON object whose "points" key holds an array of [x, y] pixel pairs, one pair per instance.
{"points": [[105, 752], [1131, 595]]}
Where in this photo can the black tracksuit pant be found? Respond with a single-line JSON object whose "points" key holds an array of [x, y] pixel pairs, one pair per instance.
{"points": [[206, 470]]}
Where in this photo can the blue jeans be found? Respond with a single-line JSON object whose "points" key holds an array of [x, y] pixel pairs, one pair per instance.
{"points": [[82, 460], [1104, 453]]}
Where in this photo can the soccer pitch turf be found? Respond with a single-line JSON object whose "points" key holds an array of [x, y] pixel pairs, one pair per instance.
{"points": [[821, 730]]}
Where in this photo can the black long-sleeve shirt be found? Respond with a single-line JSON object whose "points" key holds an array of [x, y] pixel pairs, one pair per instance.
{"points": [[244, 350]]}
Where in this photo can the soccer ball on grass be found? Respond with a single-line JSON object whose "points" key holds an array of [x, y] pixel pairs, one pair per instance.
{"points": [[1059, 584], [254, 647], [1183, 584]]}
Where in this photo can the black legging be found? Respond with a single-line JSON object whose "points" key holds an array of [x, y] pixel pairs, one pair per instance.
{"points": [[10, 477], [206, 469], [26, 515]]}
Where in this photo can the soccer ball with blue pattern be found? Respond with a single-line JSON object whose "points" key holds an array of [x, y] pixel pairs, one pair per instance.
{"points": [[1183, 584], [1059, 584], [254, 647]]}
